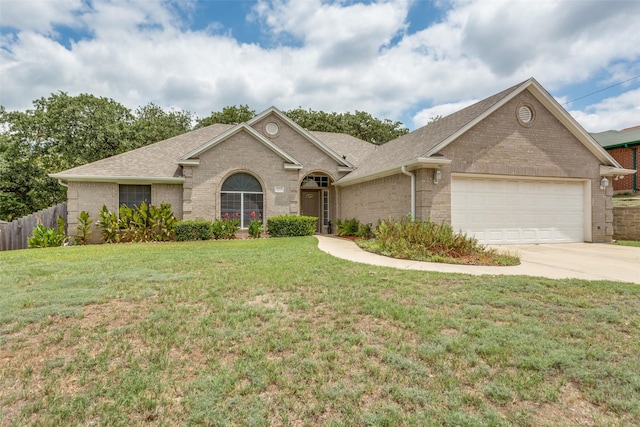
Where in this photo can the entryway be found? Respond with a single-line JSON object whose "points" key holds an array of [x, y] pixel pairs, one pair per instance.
{"points": [[314, 199]]}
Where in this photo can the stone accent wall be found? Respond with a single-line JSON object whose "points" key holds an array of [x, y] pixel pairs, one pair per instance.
{"points": [[626, 222]]}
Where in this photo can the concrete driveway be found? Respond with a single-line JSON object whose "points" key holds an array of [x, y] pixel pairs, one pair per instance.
{"points": [[590, 261]]}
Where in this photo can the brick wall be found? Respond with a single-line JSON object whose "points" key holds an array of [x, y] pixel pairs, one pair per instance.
{"points": [[243, 153], [626, 222], [624, 156], [90, 197], [498, 145]]}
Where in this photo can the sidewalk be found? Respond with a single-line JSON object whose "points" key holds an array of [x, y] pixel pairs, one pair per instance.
{"points": [[590, 261]]}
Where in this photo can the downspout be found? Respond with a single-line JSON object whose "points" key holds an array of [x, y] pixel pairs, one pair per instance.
{"points": [[413, 191], [635, 166], [63, 184]]}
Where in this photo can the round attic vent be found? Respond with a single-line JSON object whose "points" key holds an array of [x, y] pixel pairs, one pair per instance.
{"points": [[525, 115], [272, 129]]}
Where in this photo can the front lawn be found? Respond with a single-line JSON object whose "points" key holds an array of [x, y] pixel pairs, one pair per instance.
{"points": [[276, 332]]}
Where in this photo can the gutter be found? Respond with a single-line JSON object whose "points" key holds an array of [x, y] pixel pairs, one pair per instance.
{"points": [[413, 190]]}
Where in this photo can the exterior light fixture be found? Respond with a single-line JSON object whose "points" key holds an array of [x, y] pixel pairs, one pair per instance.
{"points": [[437, 176], [604, 183]]}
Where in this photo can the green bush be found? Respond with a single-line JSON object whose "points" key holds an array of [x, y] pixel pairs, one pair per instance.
{"points": [[255, 226], [194, 229], [423, 240], [286, 226], [45, 237], [348, 227], [144, 223], [225, 228], [83, 228]]}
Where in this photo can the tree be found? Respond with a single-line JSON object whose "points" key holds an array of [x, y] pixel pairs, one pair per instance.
{"points": [[24, 184], [359, 124], [63, 132], [229, 115], [153, 124]]}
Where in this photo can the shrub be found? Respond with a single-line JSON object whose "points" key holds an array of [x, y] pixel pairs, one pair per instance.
{"points": [[162, 222], [226, 228], [144, 223], [286, 226], [195, 229], [423, 240], [83, 228], [348, 227], [109, 225], [45, 237], [256, 225]]}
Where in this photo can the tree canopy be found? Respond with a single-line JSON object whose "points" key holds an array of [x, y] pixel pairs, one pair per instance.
{"points": [[63, 131]]}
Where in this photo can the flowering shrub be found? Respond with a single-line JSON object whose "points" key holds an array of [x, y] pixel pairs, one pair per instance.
{"points": [[255, 226], [227, 227]]}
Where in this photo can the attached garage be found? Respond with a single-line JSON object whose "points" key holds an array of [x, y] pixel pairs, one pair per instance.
{"points": [[519, 210]]}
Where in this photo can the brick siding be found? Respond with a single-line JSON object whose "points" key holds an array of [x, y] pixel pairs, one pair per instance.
{"points": [[498, 145], [624, 156]]}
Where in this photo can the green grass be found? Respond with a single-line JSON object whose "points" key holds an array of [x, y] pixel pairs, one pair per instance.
{"points": [[276, 332], [628, 243], [626, 200]]}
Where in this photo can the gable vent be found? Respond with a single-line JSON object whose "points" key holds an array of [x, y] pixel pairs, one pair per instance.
{"points": [[525, 114]]}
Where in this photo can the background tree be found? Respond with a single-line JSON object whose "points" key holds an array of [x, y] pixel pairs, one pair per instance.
{"points": [[153, 124], [229, 115], [359, 124]]}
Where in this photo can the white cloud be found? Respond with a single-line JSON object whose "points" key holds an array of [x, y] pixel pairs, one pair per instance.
{"points": [[334, 56], [423, 117], [615, 113], [39, 15]]}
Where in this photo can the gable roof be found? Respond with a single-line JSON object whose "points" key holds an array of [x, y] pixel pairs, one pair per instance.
{"points": [[421, 147], [618, 138], [305, 134], [161, 162], [191, 157]]}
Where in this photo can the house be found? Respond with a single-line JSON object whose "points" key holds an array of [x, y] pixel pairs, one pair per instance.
{"points": [[624, 147], [513, 168]]}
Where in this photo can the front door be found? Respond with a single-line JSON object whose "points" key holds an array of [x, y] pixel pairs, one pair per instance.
{"points": [[310, 205]]}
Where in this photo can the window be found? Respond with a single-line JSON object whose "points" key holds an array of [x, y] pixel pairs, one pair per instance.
{"points": [[325, 207], [241, 194], [134, 195]]}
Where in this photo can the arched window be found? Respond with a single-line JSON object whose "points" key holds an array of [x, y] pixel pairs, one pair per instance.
{"points": [[241, 195]]}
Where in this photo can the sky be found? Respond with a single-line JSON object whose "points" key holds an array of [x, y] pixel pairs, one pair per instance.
{"points": [[406, 60]]}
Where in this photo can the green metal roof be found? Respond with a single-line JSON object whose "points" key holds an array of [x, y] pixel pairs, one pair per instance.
{"points": [[618, 138]]}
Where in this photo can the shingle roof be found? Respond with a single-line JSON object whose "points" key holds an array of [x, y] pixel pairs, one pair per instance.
{"points": [[353, 149], [157, 160], [613, 138], [160, 160], [418, 143]]}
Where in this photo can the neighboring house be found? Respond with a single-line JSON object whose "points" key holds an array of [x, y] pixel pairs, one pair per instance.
{"points": [[513, 168], [624, 146]]}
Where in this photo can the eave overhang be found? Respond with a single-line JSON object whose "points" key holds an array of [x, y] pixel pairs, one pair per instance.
{"points": [[419, 163], [118, 179], [614, 171]]}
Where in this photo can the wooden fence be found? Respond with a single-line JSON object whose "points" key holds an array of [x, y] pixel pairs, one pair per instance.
{"points": [[14, 235]]}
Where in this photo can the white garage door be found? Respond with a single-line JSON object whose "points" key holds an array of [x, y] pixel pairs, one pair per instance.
{"points": [[500, 211]]}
